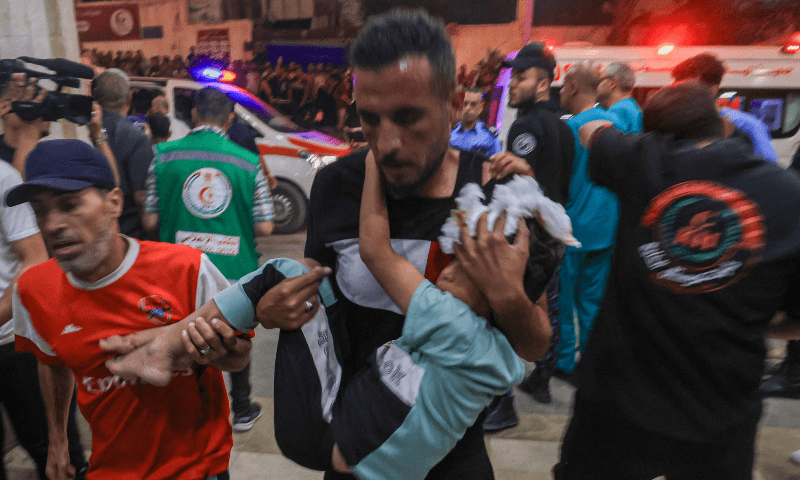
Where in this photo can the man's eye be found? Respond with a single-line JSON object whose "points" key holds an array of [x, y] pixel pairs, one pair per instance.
{"points": [[368, 118], [407, 117]]}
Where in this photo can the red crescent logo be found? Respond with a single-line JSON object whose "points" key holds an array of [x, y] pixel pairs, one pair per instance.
{"points": [[206, 195]]}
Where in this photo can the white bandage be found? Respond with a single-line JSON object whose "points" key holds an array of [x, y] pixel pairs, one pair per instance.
{"points": [[520, 198]]}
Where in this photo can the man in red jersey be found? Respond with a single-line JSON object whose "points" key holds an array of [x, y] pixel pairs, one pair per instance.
{"points": [[101, 283]]}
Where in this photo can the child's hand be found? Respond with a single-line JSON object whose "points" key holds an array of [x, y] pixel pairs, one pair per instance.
{"points": [[206, 342]]}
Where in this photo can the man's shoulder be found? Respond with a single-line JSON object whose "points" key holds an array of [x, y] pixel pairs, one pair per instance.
{"points": [[594, 113], [40, 277], [207, 142], [168, 253], [346, 170], [9, 176], [124, 130]]}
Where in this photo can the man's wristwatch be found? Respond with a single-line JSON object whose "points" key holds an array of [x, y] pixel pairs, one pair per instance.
{"points": [[103, 137]]}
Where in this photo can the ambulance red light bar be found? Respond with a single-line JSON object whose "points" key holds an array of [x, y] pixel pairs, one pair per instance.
{"points": [[665, 49], [791, 48]]}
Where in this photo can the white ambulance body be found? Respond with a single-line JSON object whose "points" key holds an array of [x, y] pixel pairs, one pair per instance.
{"points": [[760, 80]]}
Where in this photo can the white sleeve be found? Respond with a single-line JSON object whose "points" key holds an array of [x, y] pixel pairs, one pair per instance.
{"points": [[16, 222], [23, 327], [210, 281]]}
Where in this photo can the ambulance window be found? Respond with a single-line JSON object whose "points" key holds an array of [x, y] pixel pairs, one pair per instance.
{"points": [[778, 109], [792, 117], [769, 111], [184, 101]]}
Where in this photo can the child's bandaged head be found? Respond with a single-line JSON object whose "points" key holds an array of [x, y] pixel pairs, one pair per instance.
{"points": [[547, 221], [520, 198]]}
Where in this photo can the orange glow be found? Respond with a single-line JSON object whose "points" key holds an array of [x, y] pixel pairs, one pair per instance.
{"points": [[227, 76], [665, 49]]}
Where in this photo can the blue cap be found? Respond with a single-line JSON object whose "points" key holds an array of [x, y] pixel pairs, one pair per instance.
{"points": [[66, 165]]}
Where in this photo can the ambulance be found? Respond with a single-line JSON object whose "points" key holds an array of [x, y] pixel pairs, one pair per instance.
{"points": [[761, 80]]}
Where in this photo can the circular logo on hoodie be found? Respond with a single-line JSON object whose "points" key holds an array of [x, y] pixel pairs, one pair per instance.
{"points": [[523, 144], [705, 236], [207, 193]]}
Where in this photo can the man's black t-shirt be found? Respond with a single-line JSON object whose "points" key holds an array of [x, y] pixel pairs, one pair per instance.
{"points": [[369, 317], [6, 152], [546, 142], [708, 249]]}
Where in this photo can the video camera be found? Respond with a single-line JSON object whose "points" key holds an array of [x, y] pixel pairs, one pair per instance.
{"points": [[56, 104]]}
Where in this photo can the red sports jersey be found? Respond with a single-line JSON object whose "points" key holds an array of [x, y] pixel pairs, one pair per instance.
{"points": [[139, 431]]}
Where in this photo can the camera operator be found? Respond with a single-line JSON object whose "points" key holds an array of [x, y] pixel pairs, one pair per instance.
{"points": [[21, 246], [20, 137]]}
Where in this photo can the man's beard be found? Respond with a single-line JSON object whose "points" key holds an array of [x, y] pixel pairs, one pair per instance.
{"points": [[405, 191], [92, 258]]}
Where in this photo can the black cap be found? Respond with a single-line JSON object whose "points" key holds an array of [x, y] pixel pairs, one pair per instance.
{"points": [[534, 54], [66, 165]]}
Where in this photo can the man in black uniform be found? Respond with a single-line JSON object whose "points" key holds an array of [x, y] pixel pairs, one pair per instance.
{"points": [[708, 251], [541, 145], [405, 89]]}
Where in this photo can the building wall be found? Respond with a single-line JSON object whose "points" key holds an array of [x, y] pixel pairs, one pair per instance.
{"points": [[179, 35], [42, 29], [471, 42]]}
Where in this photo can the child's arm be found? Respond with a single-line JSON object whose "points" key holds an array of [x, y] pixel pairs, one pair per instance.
{"points": [[398, 277]]}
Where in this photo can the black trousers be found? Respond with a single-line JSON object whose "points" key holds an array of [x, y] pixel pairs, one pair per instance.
{"points": [[240, 390], [546, 364], [598, 446], [20, 394]]}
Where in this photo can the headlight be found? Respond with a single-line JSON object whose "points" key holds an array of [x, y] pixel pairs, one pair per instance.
{"points": [[319, 161]]}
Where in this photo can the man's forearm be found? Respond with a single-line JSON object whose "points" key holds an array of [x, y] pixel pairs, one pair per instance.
{"points": [[524, 323], [56, 384]]}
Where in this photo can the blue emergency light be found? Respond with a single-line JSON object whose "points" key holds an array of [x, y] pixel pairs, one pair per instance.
{"points": [[209, 73]]}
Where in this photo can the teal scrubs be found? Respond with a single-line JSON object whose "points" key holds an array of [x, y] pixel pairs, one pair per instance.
{"points": [[594, 212], [629, 115]]}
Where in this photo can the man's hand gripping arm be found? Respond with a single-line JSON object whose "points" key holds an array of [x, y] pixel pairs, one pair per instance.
{"points": [[498, 268]]}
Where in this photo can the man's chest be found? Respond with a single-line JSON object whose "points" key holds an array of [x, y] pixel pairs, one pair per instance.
{"points": [[75, 324]]}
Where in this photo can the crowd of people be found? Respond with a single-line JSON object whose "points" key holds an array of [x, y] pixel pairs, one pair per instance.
{"points": [[641, 253]]}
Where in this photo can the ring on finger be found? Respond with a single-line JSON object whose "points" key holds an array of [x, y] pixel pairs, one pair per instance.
{"points": [[204, 351], [309, 306]]}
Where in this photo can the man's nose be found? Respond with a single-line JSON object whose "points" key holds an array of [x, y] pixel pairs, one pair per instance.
{"points": [[388, 137], [50, 221]]}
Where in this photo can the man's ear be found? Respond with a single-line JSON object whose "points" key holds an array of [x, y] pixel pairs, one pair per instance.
{"points": [[115, 199], [227, 125], [543, 86]]}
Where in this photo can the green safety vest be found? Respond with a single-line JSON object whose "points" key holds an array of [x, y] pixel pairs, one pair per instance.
{"points": [[205, 187]]}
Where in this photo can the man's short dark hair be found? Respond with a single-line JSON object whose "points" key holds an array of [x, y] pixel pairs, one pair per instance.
{"points": [[705, 67], [141, 100], [474, 90], [685, 111], [385, 39], [212, 106], [159, 125]]}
